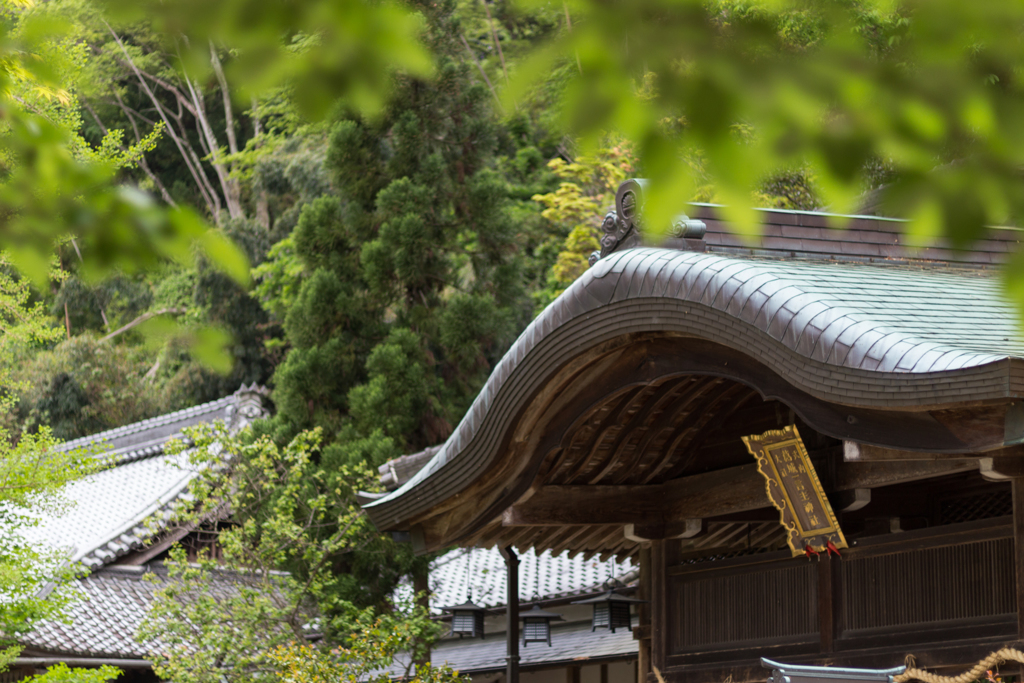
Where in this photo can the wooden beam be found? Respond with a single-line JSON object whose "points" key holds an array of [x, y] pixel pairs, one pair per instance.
{"points": [[692, 391], [712, 494], [1001, 469], [511, 615], [642, 633], [862, 452], [659, 605], [826, 600], [652, 405], [610, 423], [688, 528], [850, 501], [871, 475], [584, 543], [566, 539], [694, 424], [561, 505]]}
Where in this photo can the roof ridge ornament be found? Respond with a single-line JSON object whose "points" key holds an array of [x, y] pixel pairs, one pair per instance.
{"points": [[624, 228], [249, 405]]}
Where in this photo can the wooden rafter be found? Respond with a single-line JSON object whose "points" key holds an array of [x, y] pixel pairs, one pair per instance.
{"points": [[666, 419], [637, 421], [599, 435], [692, 426]]}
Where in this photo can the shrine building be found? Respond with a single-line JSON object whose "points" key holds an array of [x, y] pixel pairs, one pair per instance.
{"points": [[810, 444]]}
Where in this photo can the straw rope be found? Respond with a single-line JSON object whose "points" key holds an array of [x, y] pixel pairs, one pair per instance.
{"points": [[1005, 655]]}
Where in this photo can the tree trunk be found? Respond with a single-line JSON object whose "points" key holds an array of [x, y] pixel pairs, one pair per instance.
{"points": [[192, 162]]}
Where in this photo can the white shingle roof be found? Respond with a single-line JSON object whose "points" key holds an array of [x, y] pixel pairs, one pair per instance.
{"points": [[479, 574], [110, 508]]}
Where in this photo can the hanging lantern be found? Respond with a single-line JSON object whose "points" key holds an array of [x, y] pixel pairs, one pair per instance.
{"points": [[537, 625], [467, 620], [611, 610]]}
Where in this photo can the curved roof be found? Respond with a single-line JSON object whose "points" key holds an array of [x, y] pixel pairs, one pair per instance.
{"points": [[876, 337]]}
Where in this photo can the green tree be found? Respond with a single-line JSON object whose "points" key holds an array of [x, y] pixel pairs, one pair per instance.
{"points": [[33, 474], [82, 386], [402, 284], [55, 184], [238, 618], [586, 192], [928, 90], [411, 288]]}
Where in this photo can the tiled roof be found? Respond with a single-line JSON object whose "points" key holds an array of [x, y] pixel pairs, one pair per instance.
{"points": [[570, 644], [110, 509], [850, 333], [887, 318], [146, 438], [114, 601], [815, 235], [104, 621], [479, 574]]}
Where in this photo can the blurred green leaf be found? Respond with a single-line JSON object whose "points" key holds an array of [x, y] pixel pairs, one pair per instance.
{"points": [[321, 50], [226, 255], [209, 345], [932, 90]]}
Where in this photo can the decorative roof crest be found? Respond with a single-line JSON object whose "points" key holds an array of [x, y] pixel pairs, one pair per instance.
{"points": [[623, 226], [249, 406]]}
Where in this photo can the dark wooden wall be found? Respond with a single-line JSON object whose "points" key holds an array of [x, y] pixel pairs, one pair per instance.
{"points": [[945, 594]]}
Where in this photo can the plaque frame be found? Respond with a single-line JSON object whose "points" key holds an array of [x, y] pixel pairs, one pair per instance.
{"points": [[787, 440]]}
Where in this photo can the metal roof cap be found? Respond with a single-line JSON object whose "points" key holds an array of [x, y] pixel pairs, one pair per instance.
{"points": [[793, 673]]}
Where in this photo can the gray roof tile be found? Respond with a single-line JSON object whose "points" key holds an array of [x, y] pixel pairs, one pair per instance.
{"points": [[104, 620], [113, 601], [573, 643]]}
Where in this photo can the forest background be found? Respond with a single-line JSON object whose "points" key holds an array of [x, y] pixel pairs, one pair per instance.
{"points": [[397, 239], [394, 257]]}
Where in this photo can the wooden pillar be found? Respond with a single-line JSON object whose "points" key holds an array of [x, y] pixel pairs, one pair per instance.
{"points": [[1018, 548], [643, 632], [604, 673], [659, 600], [572, 674], [512, 616], [421, 587], [826, 602]]}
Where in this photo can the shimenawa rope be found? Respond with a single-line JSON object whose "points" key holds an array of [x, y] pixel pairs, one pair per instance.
{"points": [[1005, 655]]}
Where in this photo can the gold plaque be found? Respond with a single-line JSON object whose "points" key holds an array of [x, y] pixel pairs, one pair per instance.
{"points": [[794, 490]]}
